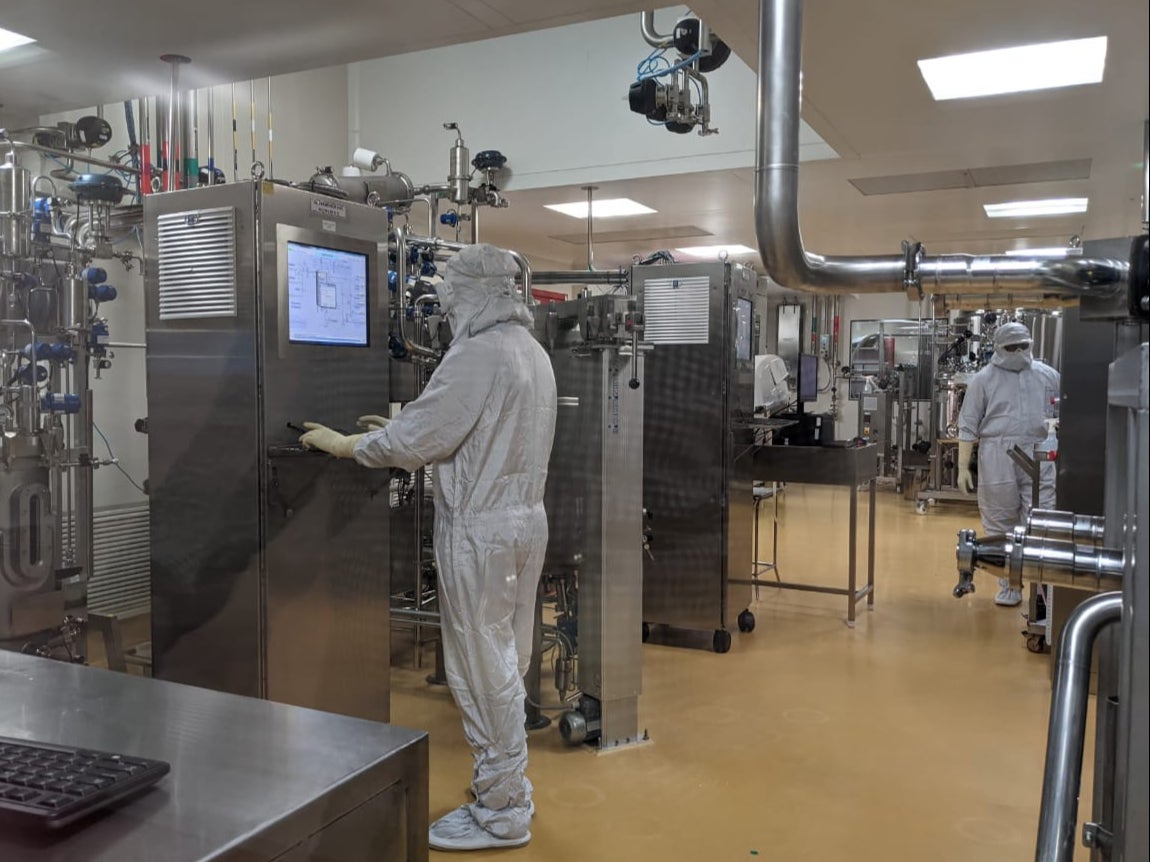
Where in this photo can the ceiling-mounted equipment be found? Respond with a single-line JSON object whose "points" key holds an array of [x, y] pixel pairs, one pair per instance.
{"points": [[675, 94]]}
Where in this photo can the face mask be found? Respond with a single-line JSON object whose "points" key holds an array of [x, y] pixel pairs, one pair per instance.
{"points": [[1017, 360]]}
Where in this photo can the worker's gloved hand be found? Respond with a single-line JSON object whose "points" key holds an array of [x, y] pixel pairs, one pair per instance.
{"points": [[965, 479], [371, 422], [323, 438]]}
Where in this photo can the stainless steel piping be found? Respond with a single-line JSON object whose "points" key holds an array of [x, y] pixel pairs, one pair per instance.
{"points": [[438, 243], [776, 207], [1058, 815], [173, 164], [1146, 175], [399, 235], [650, 35], [579, 276], [64, 154]]}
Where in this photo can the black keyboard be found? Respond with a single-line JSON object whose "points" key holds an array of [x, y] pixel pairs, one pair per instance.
{"points": [[53, 785]]}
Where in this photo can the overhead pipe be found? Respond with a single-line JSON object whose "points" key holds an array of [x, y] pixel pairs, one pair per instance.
{"points": [[1146, 175], [580, 276], [776, 208], [650, 35], [171, 179]]}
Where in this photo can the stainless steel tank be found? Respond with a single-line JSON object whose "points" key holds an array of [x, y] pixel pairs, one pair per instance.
{"points": [[27, 534], [950, 390]]}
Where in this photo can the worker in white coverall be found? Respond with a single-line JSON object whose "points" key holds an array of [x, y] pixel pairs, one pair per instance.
{"points": [[1006, 404], [485, 421]]}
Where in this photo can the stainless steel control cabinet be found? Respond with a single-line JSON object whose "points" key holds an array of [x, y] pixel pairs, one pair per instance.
{"points": [[697, 443], [269, 564]]}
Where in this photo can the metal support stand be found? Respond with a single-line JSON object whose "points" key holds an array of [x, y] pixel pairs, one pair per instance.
{"points": [[761, 492], [849, 467]]}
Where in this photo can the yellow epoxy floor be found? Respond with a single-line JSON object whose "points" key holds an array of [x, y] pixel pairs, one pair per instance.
{"points": [[917, 735]]}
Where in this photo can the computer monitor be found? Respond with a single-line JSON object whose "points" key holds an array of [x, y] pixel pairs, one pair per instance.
{"points": [[808, 381], [326, 296]]}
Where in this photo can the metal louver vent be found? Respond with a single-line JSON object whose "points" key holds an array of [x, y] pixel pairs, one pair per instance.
{"points": [[121, 581], [197, 263], [677, 310]]}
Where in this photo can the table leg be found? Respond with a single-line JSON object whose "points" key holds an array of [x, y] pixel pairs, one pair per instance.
{"points": [[851, 598], [870, 551]]}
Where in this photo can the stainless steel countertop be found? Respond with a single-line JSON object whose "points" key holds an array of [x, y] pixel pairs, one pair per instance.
{"points": [[240, 767]]}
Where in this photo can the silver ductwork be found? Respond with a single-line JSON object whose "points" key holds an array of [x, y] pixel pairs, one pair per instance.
{"points": [[776, 209]]}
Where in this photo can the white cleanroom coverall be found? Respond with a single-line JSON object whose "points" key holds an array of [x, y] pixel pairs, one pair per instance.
{"points": [[1006, 404], [485, 421]]}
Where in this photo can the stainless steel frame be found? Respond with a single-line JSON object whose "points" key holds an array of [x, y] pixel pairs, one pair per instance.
{"points": [[697, 447], [595, 503], [269, 564], [826, 465]]}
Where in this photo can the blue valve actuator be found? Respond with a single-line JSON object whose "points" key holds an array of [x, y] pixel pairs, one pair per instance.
{"points": [[392, 280], [98, 340], [53, 351], [61, 402], [101, 292], [450, 219], [94, 275], [428, 268]]}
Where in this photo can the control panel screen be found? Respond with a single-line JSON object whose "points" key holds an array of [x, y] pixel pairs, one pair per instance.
{"points": [[326, 296]]}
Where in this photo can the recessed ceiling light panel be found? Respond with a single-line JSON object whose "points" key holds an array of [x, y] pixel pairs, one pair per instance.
{"points": [[8, 39], [713, 251], [606, 208], [1016, 70], [1049, 207]]}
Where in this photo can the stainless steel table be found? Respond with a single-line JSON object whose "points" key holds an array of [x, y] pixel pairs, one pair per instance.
{"points": [[826, 465], [251, 779]]}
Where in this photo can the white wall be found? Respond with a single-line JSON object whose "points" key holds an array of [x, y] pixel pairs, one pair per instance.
{"points": [[553, 101]]}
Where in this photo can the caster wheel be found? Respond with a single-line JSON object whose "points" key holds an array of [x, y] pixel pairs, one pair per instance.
{"points": [[898, 488], [646, 632], [573, 727], [920, 507], [746, 621], [1036, 643], [722, 641]]}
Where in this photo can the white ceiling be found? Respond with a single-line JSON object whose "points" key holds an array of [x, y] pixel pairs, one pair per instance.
{"points": [[862, 94]]}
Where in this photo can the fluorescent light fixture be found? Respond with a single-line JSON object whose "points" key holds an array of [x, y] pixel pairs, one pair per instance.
{"points": [[1016, 70], [1049, 207], [1063, 251], [8, 39], [713, 251], [606, 208]]}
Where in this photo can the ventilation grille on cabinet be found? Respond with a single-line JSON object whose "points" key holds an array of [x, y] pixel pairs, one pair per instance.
{"points": [[677, 310], [197, 263]]}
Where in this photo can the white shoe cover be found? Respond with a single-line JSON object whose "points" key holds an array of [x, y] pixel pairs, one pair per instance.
{"points": [[459, 831], [1007, 597]]}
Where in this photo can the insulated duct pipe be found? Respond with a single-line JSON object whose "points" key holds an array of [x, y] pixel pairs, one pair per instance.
{"points": [[776, 207]]}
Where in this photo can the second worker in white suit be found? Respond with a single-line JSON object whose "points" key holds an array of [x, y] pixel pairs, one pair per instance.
{"points": [[485, 421], [1007, 403]]}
